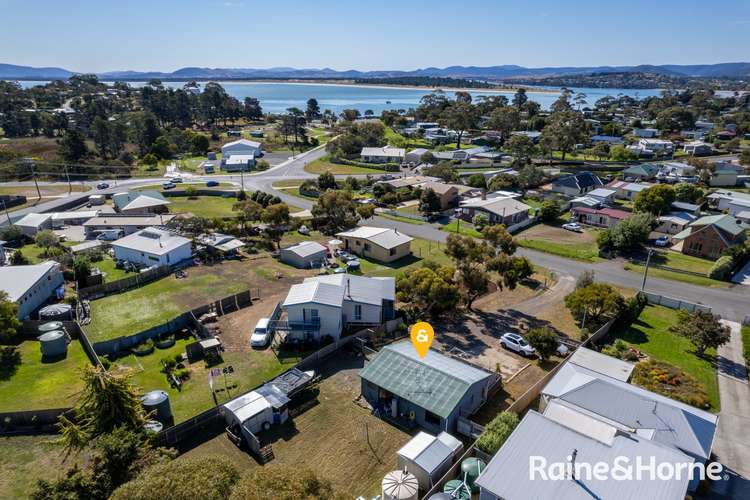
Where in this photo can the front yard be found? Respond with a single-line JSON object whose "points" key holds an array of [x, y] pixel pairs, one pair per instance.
{"points": [[30, 383], [322, 166], [336, 438], [650, 334], [679, 261]]}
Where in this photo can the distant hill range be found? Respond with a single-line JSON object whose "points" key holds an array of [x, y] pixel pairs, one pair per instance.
{"points": [[738, 70]]}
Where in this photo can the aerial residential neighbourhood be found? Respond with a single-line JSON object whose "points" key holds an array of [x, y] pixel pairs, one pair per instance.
{"points": [[256, 255]]}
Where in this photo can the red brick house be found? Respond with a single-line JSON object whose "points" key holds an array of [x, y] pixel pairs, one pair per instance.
{"points": [[709, 236]]}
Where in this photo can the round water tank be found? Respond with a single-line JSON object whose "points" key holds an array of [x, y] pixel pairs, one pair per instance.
{"points": [[153, 426], [457, 489], [157, 402], [400, 485], [50, 325], [470, 469], [53, 344], [56, 312]]}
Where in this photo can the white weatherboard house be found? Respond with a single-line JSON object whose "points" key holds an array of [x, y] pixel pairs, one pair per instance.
{"points": [[30, 224], [153, 247], [30, 286], [325, 305], [386, 154]]}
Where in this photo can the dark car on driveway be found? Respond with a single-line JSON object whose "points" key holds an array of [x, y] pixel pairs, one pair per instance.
{"points": [[102, 185]]}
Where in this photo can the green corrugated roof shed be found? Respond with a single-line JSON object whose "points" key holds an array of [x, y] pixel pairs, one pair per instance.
{"points": [[437, 383]]}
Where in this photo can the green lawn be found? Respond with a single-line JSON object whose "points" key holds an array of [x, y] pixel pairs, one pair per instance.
{"points": [[399, 218], [27, 459], [251, 369], [650, 334], [34, 384], [579, 251], [203, 206], [461, 227], [676, 276], [321, 166], [107, 266], [746, 343], [155, 303]]}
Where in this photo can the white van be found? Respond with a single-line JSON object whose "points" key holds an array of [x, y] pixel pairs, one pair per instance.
{"points": [[261, 333], [110, 234]]}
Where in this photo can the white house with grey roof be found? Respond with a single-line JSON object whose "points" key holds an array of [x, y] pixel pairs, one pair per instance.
{"points": [[432, 391], [30, 224], [153, 247], [326, 305], [140, 202], [386, 154], [31, 286]]}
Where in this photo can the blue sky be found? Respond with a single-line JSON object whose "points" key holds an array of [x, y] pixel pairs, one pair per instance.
{"points": [[85, 35]]}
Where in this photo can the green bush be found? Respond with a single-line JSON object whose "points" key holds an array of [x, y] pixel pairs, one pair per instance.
{"points": [[721, 268], [146, 347], [497, 431]]}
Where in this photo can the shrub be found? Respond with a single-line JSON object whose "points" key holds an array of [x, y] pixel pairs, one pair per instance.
{"points": [[262, 165], [182, 374], [722, 268], [669, 380], [497, 431], [210, 477], [283, 482], [480, 221], [146, 347]]}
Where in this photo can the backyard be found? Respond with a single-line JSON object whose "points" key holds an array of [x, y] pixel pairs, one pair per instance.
{"points": [[153, 304], [203, 206], [336, 438], [251, 368], [30, 383], [558, 241], [650, 334]]}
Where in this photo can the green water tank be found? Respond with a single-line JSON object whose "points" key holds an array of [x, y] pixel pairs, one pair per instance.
{"points": [[470, 469], [457, 489]]}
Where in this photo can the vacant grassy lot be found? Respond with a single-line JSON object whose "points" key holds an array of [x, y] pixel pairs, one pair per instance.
{"points": [[27, 459], [251, 369], [322, 165], [36, 384], [558, 241], [203, 206], [650, 334], [336, 438], [157, 302]]}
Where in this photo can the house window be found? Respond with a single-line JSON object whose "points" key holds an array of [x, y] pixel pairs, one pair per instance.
{"points": [[359, 243], [358, 312], [392, 251], [431, 418], [367, 247]]}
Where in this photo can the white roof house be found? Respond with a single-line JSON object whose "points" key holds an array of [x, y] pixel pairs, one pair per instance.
{"points": [[386, 152], [30, 224], [384, 237], [315, 292], [306, 254], [153, 246], [30, 286], [428, 457], [137, 202], [240, 147]]}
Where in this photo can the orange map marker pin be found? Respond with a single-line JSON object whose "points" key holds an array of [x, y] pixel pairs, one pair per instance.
{"points": [[421, 336]]}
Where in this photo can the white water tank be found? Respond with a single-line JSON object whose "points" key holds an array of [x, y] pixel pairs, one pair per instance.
{"points": [[400, 485]]}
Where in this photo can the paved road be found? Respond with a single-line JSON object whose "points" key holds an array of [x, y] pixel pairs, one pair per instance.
{"points": [[732, 303], [731, 445]]}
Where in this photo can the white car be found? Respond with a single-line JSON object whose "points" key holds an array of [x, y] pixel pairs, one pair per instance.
{"points": [[662, 241], [562, 350], [261, 333], [573, 226], [515, 342]]}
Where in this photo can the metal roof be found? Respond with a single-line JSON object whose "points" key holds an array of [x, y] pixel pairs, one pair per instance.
{"points": [[508, 473], [129, 220], [360, 288], [305, 248], [247, 406], [601, 363], [436, 383], [33, 220], [17, 280], [242, 142], [427, 451], [152, 240], [315, 292], [381, 236]]}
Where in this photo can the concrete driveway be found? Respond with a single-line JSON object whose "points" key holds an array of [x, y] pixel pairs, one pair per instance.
{"points": [[731, 444]]}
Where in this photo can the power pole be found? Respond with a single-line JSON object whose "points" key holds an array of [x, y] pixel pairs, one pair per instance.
{"points": [[7, 214], [67, 176], [645, 271], [33, 174]]}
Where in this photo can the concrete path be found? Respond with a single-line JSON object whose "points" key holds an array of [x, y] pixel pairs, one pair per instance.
{"points": [[732, 440]]}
